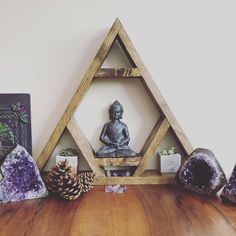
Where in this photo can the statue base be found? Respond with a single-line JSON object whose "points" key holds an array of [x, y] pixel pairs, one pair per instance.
{"points": [[117, 153]]}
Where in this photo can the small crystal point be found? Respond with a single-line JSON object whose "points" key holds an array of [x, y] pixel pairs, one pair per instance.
{"points": [[201, 173], [21, 179], [229, 191]]}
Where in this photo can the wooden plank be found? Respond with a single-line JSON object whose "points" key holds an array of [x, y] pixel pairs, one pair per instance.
{"points": [[121, 161], [133, 180], [84, 146], [117, 73], [80, 92], [149, 177], [163, 210], [159, 135], [152, 89]]}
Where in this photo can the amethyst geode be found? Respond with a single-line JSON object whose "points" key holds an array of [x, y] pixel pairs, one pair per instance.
{"points": [[21, 179], [201, 173], [229, 191]]}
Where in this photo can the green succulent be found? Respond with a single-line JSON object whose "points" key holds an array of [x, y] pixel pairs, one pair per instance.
{"points": [[169, 151], [68, 152]]}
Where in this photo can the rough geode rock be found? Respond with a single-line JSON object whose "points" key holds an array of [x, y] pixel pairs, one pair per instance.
{"points": [[201, 173], [21, 179], [229, 191]]}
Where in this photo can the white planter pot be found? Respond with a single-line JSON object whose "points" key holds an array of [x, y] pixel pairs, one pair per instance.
{"points": [[170, 163], [72, 161]]}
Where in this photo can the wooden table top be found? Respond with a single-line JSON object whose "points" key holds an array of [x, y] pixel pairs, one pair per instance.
{"points": [[142, 210]]}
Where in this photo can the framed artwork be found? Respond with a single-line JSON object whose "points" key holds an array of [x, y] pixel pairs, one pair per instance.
{"points": [[15, 123]]}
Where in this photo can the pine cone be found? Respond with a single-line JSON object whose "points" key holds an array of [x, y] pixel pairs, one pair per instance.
{"points": [[61, 181], [70, 188], [55, 176], [86, 180]]}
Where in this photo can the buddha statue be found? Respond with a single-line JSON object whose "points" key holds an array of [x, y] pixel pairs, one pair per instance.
{"points": [[115, 135]]}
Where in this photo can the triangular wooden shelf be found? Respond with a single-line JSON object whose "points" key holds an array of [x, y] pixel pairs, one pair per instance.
{"points": [[165, 122]]}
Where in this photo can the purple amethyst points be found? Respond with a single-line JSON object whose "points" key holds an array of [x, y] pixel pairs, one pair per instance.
{"points": [[201, 173], [229, 191], [115, 189], [21, 179]]}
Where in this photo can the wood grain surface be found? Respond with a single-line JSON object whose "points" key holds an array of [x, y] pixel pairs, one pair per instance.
{"points": [[117, 73], [142, 210], [149, 177], [118, 161]]}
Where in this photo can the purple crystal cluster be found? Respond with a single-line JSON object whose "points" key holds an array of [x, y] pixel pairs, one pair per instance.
{"points": [[201, 173], [229, 191], [20, 177], [115, 189]]}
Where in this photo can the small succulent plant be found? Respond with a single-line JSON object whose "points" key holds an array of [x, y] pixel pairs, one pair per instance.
{"points": [[68, 152], [169, 151]]}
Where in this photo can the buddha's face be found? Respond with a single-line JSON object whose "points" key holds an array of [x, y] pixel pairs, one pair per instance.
{"points": [[116, 113]]}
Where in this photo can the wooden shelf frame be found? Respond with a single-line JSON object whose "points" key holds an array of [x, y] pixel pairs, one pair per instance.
{"points": [[118, 73], [166, 121], [148, 177]]}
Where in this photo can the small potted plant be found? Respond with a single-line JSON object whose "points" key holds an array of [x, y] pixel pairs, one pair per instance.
{"points": [[170, 161], [71, 155]]}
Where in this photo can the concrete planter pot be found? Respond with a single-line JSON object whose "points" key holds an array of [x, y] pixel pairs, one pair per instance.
{"points": [[169, 163]]}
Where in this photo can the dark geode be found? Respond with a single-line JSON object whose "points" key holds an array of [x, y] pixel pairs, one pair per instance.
{"points": [[201, 173], [20, 177], [229, 191]]}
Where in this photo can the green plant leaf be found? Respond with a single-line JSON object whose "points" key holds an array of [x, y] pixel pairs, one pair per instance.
{"points": [[24, 117], [14, 107], [68, 152], [18, 104], [6, 133]]}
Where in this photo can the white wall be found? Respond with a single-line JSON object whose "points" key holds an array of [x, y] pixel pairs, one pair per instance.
{"points": [[188, 47]]}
